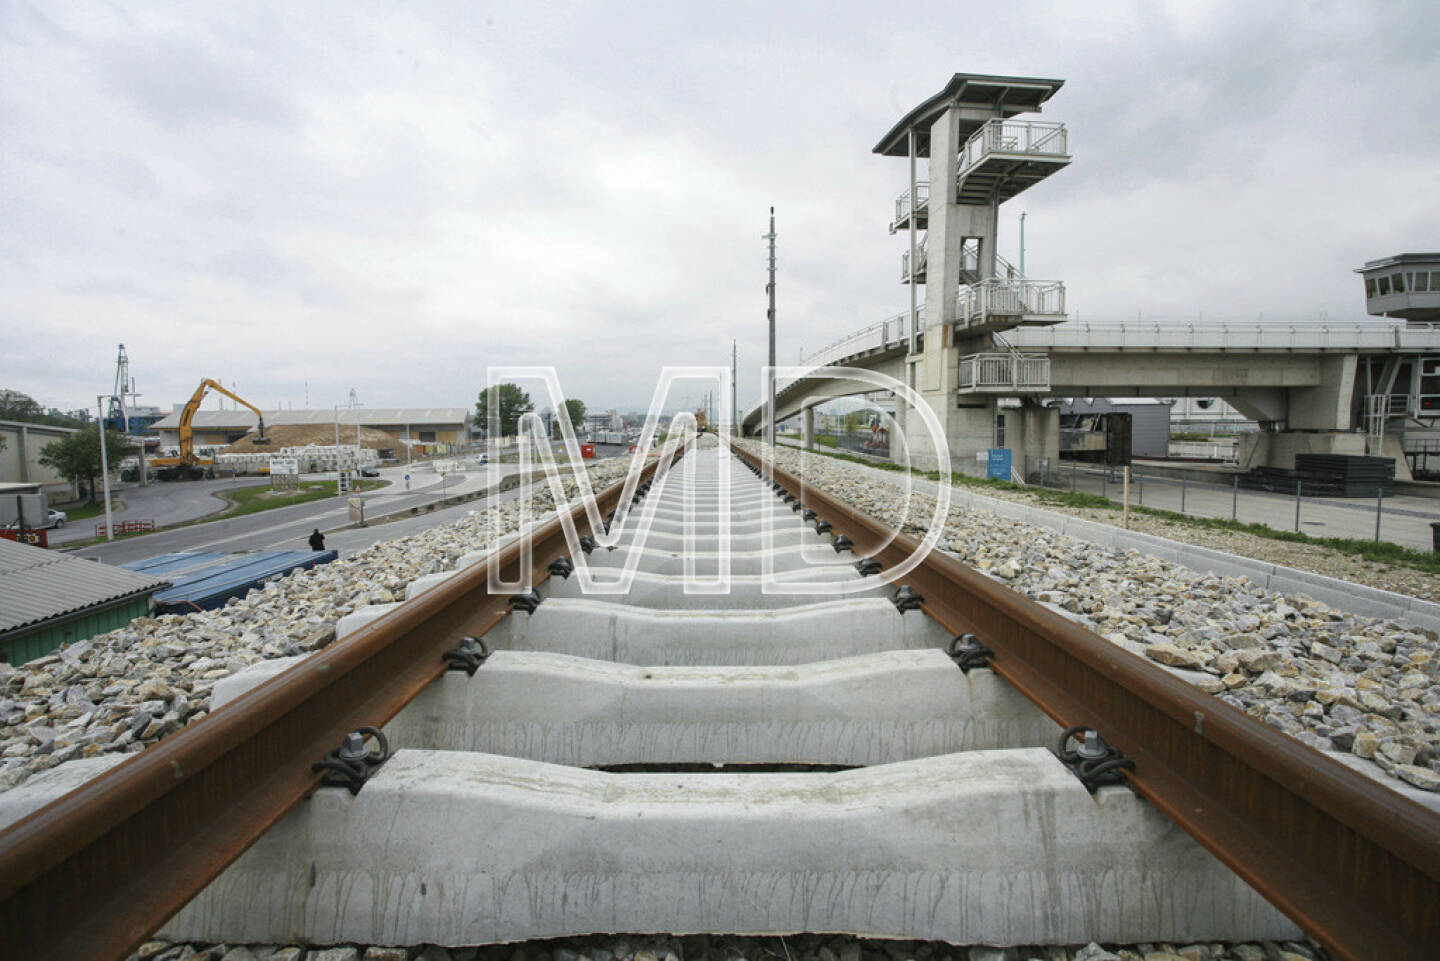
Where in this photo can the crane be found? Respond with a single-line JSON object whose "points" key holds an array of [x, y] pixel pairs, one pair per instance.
{"points": [[188, 467]]}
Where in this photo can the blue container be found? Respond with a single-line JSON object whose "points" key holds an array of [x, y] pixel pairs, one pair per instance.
{"points": [[212, 585]]}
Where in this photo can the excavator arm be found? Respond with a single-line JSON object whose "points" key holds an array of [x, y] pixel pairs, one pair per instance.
{"points": [[187, 434]]}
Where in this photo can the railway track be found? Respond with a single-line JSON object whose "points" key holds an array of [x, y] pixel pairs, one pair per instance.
{"points": [[747, 761]]}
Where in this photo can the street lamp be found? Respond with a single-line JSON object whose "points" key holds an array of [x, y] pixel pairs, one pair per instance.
{"points": [[100, 400]]}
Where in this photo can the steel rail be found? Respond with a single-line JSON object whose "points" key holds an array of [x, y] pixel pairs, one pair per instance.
{"points": [[93, 873], [1356, 865]]}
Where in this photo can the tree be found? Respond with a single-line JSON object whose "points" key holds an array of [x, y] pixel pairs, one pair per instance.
{"points": [[77, 457], [575, 411], [510, 401], [24, 408]]}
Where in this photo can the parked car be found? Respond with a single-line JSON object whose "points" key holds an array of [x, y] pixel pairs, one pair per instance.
{"points": [[369, 472], [53, 518]]}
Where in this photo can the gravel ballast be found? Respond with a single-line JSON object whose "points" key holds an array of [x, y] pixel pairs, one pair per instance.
{"points": [[1329, 678], [121, 691]]}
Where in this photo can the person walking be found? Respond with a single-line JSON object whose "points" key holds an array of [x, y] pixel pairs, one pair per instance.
{"points": [[317, 540]]}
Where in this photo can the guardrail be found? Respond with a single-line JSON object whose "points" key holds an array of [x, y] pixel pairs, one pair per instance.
{"points": [[126, 527], [1035, 137], [1005, 372], [902, 203], [1219, 335], [1011, 298]]}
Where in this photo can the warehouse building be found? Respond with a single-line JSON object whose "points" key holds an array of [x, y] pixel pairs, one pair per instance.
{"points": [[443, 426], [48, 600], [20, 447]]}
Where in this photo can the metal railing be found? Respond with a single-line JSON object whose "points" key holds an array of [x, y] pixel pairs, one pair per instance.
{"points": [[1005, 372], [1379, 334], [905, 261], [882, 336], [1010, 298], [1034, 137], [902, 203]]}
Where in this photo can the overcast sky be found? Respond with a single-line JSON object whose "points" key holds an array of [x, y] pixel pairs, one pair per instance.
{"points": [[391, 197]]}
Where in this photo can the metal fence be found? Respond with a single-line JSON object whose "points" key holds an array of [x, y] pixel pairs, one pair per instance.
{"points": [[1380, 518]]}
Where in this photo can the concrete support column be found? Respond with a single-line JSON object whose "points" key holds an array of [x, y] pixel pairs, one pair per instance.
{"points": [[23, 441], [1326, 406], [807, 428], [1032, 433]]}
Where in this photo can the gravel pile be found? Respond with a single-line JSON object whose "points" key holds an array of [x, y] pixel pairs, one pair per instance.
{"points": [[121, 691], [1334, 680], [805, 947]]}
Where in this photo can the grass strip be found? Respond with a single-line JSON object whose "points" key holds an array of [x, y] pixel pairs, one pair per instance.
{"points": [[1379, 552], [252, 500]]}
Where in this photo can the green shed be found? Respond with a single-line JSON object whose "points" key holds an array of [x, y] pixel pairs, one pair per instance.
{"points": [[49, 599]]}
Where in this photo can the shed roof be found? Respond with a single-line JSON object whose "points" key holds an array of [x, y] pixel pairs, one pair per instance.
{"points": [[1007, 96], [37, 585], [1398, 260], [366, 416]]}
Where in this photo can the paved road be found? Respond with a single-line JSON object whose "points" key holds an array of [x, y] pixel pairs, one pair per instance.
{"points": [[165, 504], [289, 527]]}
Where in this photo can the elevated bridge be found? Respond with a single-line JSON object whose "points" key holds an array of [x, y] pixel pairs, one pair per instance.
{"points": [[986, 345], [1315, 387]]}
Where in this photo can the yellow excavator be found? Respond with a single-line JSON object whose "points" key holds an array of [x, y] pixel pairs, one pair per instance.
{"points": [[187, 466]]}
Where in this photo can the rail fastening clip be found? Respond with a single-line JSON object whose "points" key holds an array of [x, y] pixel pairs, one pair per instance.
{"points": [[967, 652], [468, 655], [562, 567], [907, 599], [587, 543], [1094, 762], [868, 565], [351, 764], [842, 543], [527, 601]]}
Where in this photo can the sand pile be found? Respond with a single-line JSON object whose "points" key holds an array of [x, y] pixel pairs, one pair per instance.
{"points": [[321, 435]]}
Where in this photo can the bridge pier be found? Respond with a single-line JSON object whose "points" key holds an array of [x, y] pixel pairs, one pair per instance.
{"points": [[807, 428]]}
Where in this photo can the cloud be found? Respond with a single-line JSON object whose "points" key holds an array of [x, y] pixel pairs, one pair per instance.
{"points": [[393, 198]]}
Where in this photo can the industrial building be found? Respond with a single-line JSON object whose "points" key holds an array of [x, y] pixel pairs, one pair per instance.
{"points": [[441, 426], [49, 599], [20, 447]]}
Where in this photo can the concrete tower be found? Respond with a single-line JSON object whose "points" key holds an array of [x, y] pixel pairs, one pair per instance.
{"points": [[978, 157]]}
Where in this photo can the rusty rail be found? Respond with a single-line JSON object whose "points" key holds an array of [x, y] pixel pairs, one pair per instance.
{"points": [[1356, 865], [92, 874]]}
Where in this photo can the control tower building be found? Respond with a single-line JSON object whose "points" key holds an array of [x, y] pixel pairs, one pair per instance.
{"points": [[968, 154]]}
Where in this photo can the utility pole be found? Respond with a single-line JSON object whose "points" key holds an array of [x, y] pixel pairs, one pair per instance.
{"points": [[104, 467], [1022, 243], [734, 410], [770, 313]]}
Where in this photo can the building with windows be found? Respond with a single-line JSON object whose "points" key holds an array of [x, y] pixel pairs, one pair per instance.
{"points": [[1405, 286]]}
